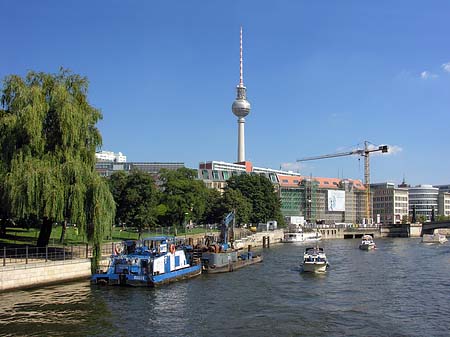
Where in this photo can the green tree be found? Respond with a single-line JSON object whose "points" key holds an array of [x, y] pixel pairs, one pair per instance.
{"points": [[117, 182], [48, 140], [215, 211], [233, 200], [259, 191], [136, 199], [182, 193], [443, 218]]}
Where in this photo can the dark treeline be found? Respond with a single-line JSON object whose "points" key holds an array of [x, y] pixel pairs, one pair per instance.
{"points": [[181, 198]]}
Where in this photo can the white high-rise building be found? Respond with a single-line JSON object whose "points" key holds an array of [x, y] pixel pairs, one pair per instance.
{"points": [[424, 199], [111, 156]]}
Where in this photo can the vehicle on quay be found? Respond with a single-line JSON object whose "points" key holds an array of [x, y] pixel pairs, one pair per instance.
{"points": [[434, 238], [367, 243], [221, 257], [150, 262], [315, 260]]}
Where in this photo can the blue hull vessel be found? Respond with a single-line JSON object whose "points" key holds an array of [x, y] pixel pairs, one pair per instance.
{"points": [[152, 262]]}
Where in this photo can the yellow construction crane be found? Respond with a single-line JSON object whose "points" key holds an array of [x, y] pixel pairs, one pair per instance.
{"points": [[362, 152]]}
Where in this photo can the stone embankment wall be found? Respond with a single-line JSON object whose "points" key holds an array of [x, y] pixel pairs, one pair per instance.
{"points": [[31, 275], [257, 239]]}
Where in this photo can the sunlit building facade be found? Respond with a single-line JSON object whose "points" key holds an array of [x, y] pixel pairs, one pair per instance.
{"points": [[390, 203]]}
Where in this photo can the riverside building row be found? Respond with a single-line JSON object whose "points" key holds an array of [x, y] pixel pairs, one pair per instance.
{"points": [[334, 200], [317, 199]]}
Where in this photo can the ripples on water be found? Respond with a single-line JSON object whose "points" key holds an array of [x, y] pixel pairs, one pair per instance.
{"points": [[400, 289]]}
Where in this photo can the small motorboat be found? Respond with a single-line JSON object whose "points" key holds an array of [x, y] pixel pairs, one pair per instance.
{"points": [[434, 238], [315, 260], [367, 243]]}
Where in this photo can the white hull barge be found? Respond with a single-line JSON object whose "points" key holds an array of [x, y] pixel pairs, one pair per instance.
{"points": [[314, 260], [153, 262]]}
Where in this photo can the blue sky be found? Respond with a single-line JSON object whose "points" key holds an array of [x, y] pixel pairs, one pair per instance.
{"points": [[322, 77]]}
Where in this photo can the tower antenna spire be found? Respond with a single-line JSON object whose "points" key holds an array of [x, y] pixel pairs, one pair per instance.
{"points": [[241, 70], [241, 107]]}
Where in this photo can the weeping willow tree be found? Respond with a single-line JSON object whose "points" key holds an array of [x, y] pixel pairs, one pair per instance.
{"points": [[48, 138]]}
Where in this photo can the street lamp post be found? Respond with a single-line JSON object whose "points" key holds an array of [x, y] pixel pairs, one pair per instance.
{"points": [[185, 225]]}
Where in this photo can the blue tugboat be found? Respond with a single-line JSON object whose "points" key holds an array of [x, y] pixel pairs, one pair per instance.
{"points": [[151, 262]]}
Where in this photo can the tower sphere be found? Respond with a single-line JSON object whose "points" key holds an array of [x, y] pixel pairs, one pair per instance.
{"points": [[241, 107]]}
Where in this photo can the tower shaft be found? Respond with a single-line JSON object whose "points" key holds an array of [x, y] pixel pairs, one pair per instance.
{"points": [[241, 140]]}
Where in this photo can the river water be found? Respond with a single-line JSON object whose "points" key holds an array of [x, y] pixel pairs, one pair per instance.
{"points": [[400, 289]]}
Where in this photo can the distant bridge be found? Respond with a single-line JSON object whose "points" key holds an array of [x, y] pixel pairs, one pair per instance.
{"points": [[429, 227]]}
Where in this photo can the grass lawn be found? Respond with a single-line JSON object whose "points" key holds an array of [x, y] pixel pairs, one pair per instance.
{"points": [[22, 236]]}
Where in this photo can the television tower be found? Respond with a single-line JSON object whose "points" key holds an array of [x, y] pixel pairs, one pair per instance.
{"points": [[241, 108]]}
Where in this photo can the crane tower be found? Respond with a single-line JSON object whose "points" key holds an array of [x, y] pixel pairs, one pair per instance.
{"points": [[362, 152]]}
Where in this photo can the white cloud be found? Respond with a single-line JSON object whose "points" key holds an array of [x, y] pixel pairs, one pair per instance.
{"points": [[295, 167], [446, 67], [425, 75]]}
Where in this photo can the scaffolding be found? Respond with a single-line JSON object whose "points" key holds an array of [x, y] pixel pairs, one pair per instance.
{"points": [[310, 199]]}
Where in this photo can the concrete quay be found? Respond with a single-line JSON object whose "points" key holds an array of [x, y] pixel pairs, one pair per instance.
{"points": [[389, 230], [31, 275]]}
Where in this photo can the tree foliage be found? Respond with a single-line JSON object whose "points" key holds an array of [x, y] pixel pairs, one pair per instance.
{"points": [[182, 193], [48, 140], [136, 199], [233, 200], [215, 210], [259, 191]]}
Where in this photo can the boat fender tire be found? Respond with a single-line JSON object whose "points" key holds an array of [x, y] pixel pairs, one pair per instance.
{"points": [[172, 248]]}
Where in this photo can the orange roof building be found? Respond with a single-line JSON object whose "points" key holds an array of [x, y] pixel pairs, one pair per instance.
{"points": [[318, 199]]}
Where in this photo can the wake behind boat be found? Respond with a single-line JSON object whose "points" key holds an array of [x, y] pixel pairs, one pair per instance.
{"points": [[315, 260], [367, 243], [154, 261]]}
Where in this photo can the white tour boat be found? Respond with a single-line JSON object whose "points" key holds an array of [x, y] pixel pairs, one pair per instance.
{"points": [[315, 260], [367, 243], [292, 237], [295, 233], [434, 238]]}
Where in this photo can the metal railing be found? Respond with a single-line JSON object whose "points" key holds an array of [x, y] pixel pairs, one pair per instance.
{"points": [[35, 255]]}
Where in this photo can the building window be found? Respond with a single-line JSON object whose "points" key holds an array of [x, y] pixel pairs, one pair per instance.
{"points": [[205, 174]]}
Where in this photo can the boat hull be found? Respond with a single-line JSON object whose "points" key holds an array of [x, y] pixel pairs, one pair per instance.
{"points": [[232, 266], [367, 247], [315, 267], [301, 237], [146, 280], [434, 238]]}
